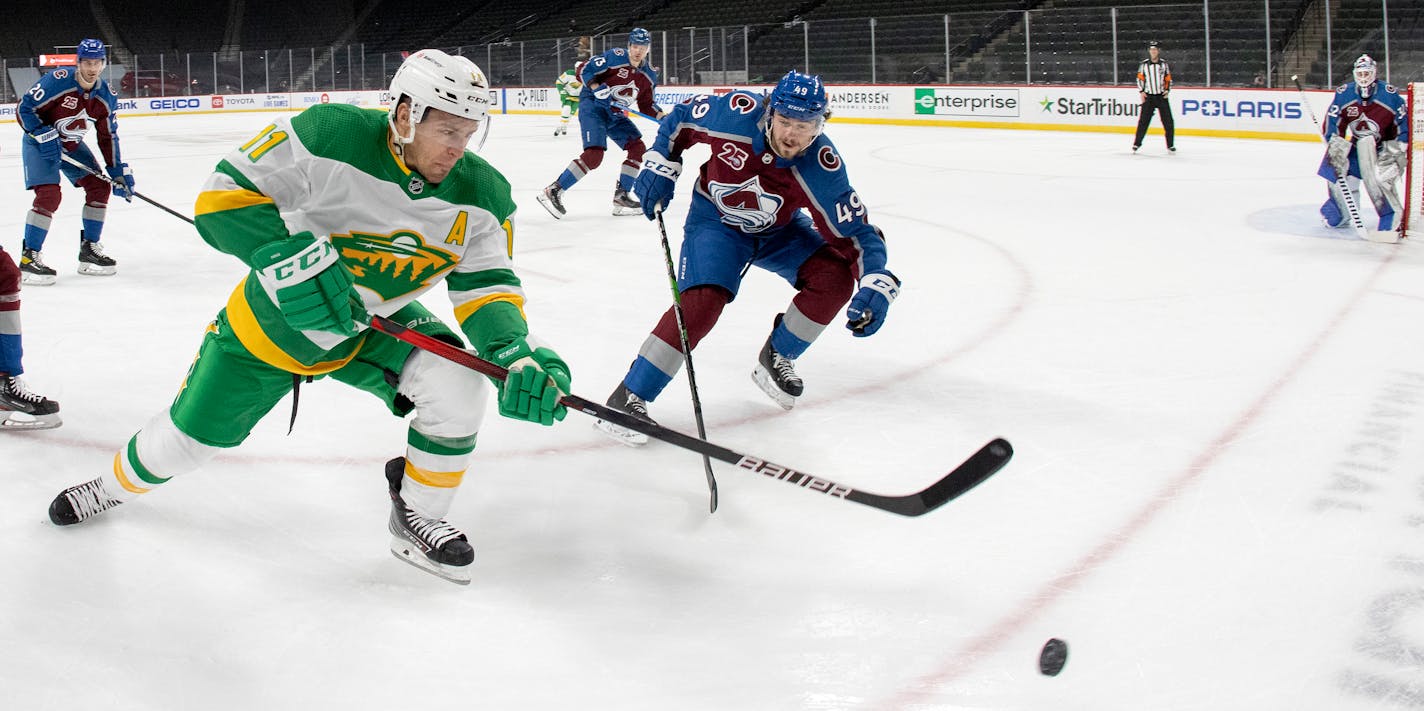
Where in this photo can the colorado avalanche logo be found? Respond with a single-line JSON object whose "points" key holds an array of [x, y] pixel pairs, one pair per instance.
{"points": [[1364, 126], [742, 104], [828, 159], [73, 128], [625, 95], [745, 205]]}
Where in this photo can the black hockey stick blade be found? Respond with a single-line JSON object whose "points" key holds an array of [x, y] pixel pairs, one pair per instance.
{"points": [[983, 464]]}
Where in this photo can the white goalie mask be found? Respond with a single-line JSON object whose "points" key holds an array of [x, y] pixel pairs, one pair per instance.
{"points": [[432, 79], [1364, 73]]}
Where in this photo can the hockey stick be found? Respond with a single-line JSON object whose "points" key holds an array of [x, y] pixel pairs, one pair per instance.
{"points": [[973, 471], [90, 170], [1341, 185], [687, 358], [636, 112]]}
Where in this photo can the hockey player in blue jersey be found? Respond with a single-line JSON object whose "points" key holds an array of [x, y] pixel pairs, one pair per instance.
{"points": [[1367, 129], [55, 115], [775, 195], [613, 81]]}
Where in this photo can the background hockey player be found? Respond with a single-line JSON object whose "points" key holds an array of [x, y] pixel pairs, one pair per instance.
{"points": [[568, 85], [55, 115], [750, 206], [339, 212], [20, 409], [1367, 127], [615, 80]]}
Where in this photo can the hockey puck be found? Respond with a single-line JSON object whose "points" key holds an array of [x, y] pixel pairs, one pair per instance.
{"points": [[1053, 657]]}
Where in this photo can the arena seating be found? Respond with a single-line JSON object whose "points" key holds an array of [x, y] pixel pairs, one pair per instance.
{"points": [[990, 41]]}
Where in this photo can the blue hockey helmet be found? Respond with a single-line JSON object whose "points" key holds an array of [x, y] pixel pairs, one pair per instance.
{"points": [[799, 96], [91, 49], [640, 36]]}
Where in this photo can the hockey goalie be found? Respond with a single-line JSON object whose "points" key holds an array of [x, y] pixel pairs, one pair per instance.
{"points": [[1367, 134]]}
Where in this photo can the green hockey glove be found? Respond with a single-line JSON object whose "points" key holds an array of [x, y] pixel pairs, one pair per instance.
{"points": [[537, 378], [310, 284]]}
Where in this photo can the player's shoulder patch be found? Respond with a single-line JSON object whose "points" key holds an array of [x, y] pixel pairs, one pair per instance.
{"points": [[1342, 88], [618, 52], [60, 73], [829, 160], [743, 102], [1389, 89]]}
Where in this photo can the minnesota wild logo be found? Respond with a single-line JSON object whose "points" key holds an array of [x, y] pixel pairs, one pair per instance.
{"points": [[392, 265]]}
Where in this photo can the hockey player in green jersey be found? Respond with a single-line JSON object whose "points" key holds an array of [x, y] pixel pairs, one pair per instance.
{"points": [[341, 212], [569, 86]]}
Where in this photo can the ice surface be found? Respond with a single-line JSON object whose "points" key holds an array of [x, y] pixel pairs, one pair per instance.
{"points": [[1217, 498]]}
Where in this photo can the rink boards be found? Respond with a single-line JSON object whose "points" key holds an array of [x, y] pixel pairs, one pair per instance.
{"points": [[1229, 113]]}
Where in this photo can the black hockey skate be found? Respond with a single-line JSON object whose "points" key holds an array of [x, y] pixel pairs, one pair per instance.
{"points": [[93, 261], [80, 503], [33, 270], [552, 198], [776, 374], [625, 204], [426, 543], [21, 409], [624, 400]]}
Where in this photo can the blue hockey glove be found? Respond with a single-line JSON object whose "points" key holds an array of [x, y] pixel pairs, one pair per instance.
{"points": [[868, 307], [311, 285], [48, 141], [537, 378], [123, 180], [654, 184]]}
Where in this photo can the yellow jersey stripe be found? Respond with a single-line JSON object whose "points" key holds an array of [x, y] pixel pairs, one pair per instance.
{"points": [[437, 480], [247, 329], [464, 310], [210, 201], [124, 480]]}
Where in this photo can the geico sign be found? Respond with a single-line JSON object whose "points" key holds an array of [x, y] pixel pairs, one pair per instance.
{"points": [[1244, 108], [172, 104]]}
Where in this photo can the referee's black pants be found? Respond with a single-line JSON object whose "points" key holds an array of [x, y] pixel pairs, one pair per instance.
{"points": [[1144, 117]]}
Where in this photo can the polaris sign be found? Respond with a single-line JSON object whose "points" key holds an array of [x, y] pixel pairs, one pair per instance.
{"points": [[1243, 108]]}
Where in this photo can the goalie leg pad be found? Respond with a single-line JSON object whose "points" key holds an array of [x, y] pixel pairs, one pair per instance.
{"points": [[1383, 193], [1346, 202]]}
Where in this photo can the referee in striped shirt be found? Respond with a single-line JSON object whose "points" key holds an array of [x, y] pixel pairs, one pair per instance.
{"points": [[1154, 82]]}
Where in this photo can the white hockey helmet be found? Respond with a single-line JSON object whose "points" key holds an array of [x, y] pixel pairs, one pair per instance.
{"points": [[432, 79], [1364, 71]]}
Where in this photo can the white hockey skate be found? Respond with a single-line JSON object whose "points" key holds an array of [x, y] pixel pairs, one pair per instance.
{"points": [[21, 409], [624, 401], [430, 544]]}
